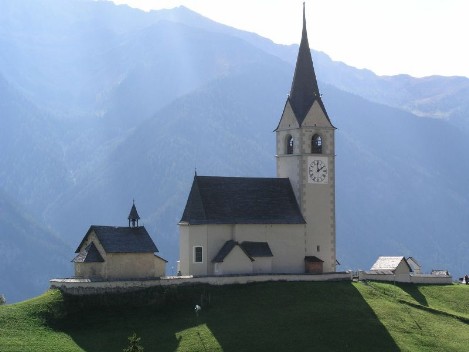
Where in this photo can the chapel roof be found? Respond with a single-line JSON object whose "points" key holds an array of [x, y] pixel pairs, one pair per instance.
{"points": [[122, 239], [241, 200]]}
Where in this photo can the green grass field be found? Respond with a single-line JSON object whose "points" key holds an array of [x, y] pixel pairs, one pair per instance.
{"points": [[333, 316]]}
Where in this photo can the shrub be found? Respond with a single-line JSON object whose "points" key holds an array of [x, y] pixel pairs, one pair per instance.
{"points": [[134, 344]]}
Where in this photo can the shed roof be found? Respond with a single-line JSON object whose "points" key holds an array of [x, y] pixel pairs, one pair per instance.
{"points": [[122, 239], [388, 263], [313, 259], [241, 200], [440, 272]]}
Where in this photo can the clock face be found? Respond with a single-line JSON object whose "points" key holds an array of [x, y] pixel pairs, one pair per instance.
{"points": [[318, 170]]}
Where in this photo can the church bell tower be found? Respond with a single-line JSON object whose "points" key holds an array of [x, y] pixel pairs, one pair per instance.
{"points": [[306, 155]]}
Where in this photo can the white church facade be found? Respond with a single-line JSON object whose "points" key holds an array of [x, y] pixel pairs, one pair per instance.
{"points": [[242, 225]]}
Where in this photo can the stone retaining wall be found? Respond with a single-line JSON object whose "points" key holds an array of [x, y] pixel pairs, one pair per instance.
{"points": [[86, 286], [414, 279]]}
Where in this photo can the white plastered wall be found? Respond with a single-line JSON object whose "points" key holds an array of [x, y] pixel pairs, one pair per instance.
{"points": [[262, 265], [131, 265], [90, 270], [236, 262], [317, 201], [286, 241]]}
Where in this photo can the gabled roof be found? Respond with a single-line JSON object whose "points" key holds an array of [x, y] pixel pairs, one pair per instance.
{"points": [[122, 239], [241, 200], [257, 249], [89, 255], [388, 263], [157, 256], [225, 250], [251, 249], [413, 263], [304, 90]]}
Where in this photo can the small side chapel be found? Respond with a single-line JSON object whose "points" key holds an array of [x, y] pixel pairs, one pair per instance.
{"points": [[243, 225], [118, 253]]}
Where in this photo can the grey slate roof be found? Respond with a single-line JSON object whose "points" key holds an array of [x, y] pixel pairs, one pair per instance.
{"points": [[241, 200], [225, 250], [257, 249], [251, 249], [89, 255], [122, 239]]}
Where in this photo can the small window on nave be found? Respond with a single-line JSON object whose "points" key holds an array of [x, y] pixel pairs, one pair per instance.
{"points": [[289, 148], [198, 252], [316, 144]]}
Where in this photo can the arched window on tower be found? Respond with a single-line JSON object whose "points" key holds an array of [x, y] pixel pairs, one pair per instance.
{"points": [[316, 144], [289, 141]]}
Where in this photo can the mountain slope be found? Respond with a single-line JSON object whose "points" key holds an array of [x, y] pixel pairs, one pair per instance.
{"points": [[30, 253], [32, 167], [434, 96], [398, 185], [217, 130], [99, 107]]}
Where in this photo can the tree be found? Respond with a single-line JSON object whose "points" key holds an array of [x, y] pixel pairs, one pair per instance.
{"points": [[3, 300], [134, 344]]}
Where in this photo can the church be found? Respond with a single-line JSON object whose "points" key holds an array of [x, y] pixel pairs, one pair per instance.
{"points": [[244, 225]]}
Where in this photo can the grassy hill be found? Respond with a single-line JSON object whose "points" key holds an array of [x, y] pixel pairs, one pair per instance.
{"points": [[259, 317]]}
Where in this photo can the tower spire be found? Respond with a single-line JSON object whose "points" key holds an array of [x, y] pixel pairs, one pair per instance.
{"points": [[133, 215], [304, 90]]}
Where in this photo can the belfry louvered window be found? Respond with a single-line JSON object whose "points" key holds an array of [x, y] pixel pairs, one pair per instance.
{"points": [[316, 144], [289, 148]]}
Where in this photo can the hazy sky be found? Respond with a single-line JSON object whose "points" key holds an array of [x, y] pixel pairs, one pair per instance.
{"points": [[417, 37]]}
